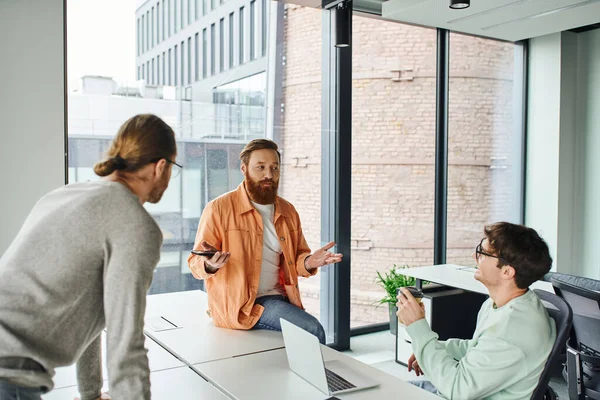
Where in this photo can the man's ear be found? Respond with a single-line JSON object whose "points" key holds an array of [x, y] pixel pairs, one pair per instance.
{"points": [[508, 272], [243, 168], [159, 168]]}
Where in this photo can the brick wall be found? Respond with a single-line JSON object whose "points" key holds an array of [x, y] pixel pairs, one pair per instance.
{"points": [[394, 145]]}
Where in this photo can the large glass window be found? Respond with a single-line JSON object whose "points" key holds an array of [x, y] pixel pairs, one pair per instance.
{"points": [[231, 40], [484, 141], [212, 49], [196, 58], [204, 53], [221, 44], [393, 154]]}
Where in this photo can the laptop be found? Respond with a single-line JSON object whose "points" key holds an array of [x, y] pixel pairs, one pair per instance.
{"points": [[306, 360]]}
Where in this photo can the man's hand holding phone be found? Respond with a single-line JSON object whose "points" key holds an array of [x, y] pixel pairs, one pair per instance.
{"points": [[215, 259]]}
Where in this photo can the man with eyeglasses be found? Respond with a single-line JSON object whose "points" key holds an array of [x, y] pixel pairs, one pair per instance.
{"points": [[514, 334]]}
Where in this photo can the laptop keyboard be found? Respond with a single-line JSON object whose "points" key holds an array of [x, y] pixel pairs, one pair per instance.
{"points": [[336, 382]]}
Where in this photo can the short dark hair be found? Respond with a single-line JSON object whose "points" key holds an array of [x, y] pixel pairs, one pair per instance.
{"points": [[522, 248], [258, 144]]}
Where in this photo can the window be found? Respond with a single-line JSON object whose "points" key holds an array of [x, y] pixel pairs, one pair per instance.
{"points": [[169, 18], [158, 22], [241, 39], [196, 10], [164, 81], [175, 20], [484, 144], [252, 30], [263, 18], [221, 44], [169, 67], [163, 20], [152, 28], [181, 15], [158, 72], [196, 58], [212, 49], [189, 12], [204, 6], [212, 4], [139, 36], [142, 34], [148, 23], [393, 167], [182, 64], [152, 79], [231, 40], [189, 60], [175, 59], [204, 53], [139, 73]]}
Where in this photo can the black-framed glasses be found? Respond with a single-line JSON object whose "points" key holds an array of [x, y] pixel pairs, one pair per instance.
{"points": [[174, 174], [479, 251]]}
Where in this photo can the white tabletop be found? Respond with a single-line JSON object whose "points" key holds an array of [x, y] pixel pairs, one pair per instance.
{"points": [[459, 277], [267, 375], [178, 383], [178, 321], [158, 359]]}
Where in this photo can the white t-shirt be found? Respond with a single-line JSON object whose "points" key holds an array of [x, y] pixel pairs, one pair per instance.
{"points": [[269, 272]]}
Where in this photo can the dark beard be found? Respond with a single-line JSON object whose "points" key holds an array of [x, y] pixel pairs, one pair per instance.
{"points": [[158, 190], [261, 195]]}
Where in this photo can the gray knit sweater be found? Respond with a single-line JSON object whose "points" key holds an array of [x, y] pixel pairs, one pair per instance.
{"points": [[83, 261]]}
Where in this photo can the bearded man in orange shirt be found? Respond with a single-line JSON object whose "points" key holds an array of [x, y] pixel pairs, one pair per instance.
{"points": [[260, 250]]}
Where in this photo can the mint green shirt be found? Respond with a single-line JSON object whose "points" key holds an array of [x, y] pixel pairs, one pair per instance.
{"points": [[503, 361]]}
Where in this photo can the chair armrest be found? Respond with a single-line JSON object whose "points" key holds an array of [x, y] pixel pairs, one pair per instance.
{"points": [[575, 375]]}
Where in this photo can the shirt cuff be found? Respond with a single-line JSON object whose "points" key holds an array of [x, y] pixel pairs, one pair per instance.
{"points": [[420, 332]]}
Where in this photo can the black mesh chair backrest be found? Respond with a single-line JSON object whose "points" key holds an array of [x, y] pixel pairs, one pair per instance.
{"points": [[583, 295], [562, 315]]}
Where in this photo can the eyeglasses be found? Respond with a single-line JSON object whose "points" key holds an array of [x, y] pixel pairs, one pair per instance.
{"points": [[174, 173], [479, 251]]}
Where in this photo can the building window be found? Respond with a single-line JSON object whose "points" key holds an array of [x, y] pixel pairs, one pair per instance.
{"points": [[189, 60], [158, 70], [169, 26], [181, 16], [204, 7], [163, 20], [212, 4], [204, 52], [152, 28], [157, 22], [241, 41], [139, 74], [138, 37], [222, 45], [264, 28], [169, 67], [195, 10], [212, 49], [231, 40], [164, 81], [142, 34], [196, 58], [175, 81], [175, 16], [152, 76], [148, 30], [182, 63], [148, 72], [252, 30]]}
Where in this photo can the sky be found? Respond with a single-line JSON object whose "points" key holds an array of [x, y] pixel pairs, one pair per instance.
{"points": [[101, 39]]}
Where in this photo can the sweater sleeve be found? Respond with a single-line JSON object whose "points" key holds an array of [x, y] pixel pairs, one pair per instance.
{"points": [[89, 371], [489, 366], [457, 348], [127, 278]]}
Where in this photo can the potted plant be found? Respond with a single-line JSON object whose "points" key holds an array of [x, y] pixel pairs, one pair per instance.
{"points": [[390, 281]]}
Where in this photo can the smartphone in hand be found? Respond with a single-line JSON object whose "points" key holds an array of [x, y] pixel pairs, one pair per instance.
{"points": [[205, 253]]}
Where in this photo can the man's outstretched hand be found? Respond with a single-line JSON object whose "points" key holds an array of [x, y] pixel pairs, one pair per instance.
{"points": [[322, 257]]}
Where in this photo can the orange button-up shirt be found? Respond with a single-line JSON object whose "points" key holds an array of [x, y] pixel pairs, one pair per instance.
{"points": [[230, 223]]}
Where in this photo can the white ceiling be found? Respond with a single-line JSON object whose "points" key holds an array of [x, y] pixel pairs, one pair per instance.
{"points": [[502, 19]]}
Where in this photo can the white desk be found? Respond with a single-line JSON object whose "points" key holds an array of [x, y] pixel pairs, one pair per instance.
{"points": [[267, 375], [178, 383], [193, 335], [158, 359], [459, 277]]}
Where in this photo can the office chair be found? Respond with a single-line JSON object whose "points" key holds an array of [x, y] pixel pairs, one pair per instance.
{"points": [[582, 370], [562, 315]]}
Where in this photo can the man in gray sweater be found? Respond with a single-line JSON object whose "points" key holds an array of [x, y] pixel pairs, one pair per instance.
{"points": [[83, 261]]}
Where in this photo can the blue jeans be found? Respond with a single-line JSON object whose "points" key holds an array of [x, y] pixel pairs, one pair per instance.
{"points": [[8, 391], [278, 306], [425, 385]]}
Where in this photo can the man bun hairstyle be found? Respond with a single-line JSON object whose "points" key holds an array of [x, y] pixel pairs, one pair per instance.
{"points": [[142, 139]]}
